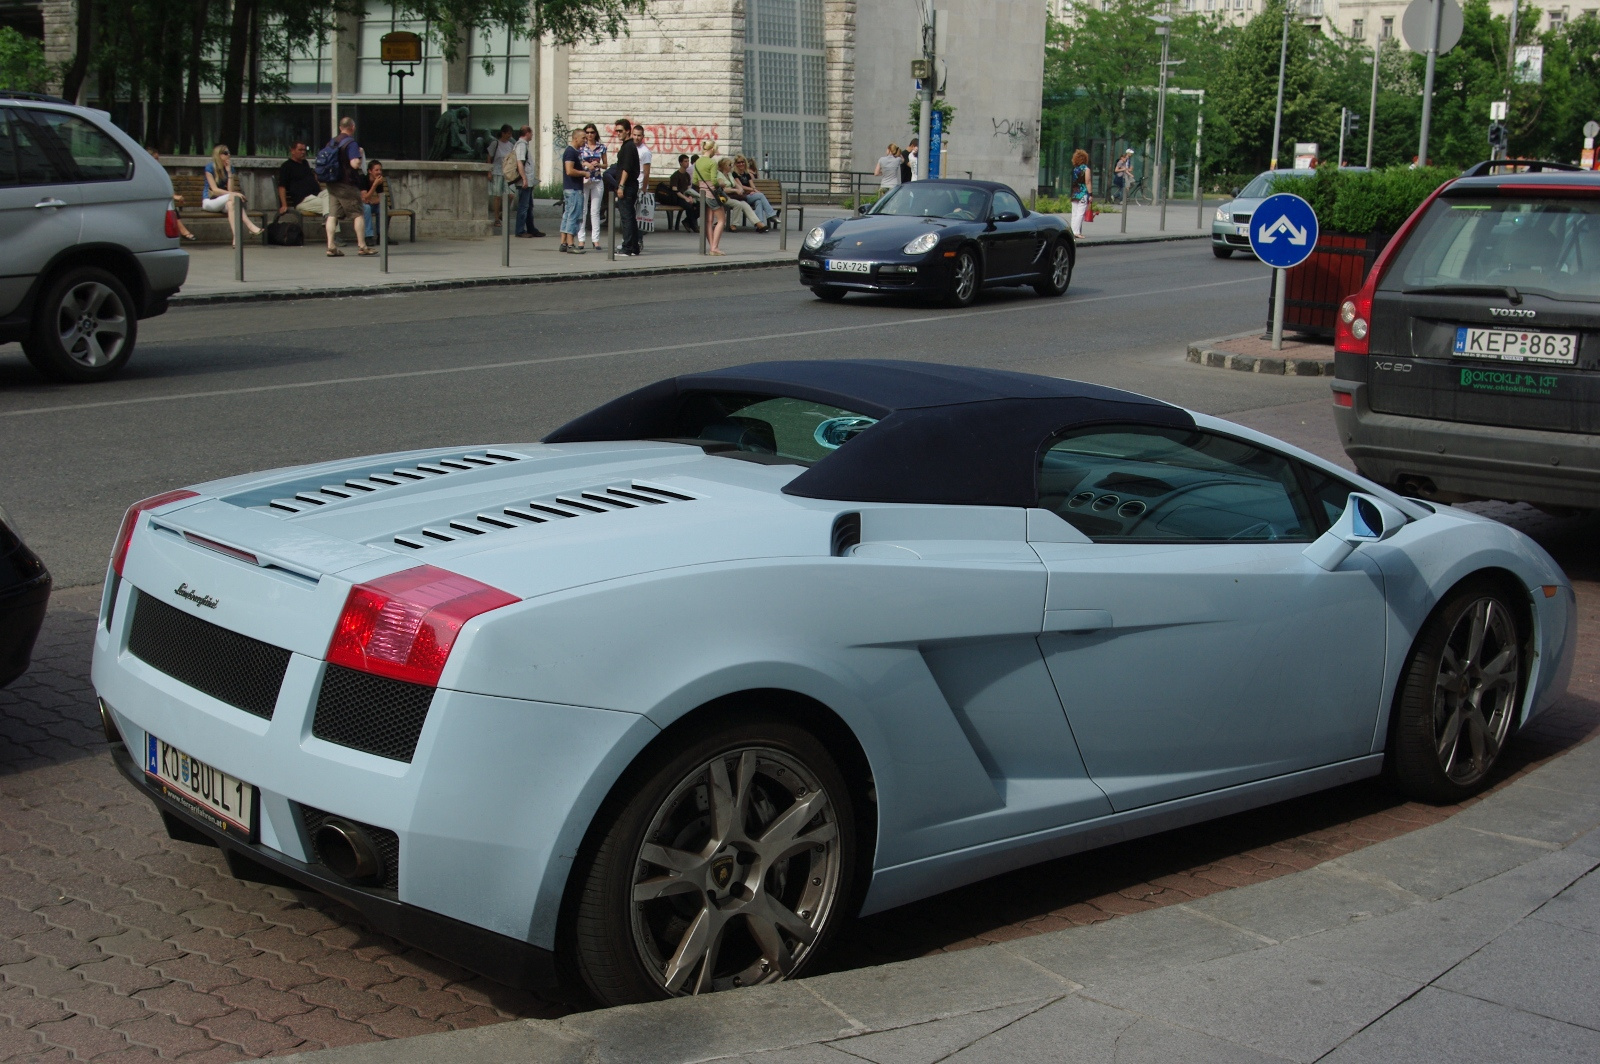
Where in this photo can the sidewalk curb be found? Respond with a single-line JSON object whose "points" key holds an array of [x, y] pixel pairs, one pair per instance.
{"points": [[1201, 353], [1100, 242], [1536, 835]]}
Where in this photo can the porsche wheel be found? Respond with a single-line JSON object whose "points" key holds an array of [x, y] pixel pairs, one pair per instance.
{"points": [[728, 863], [1058, 272], [829, 293], [1221, 252], [963, 288], [84, 327], [1459, 695]]}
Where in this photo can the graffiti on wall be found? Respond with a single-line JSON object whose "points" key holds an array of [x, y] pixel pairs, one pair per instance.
{"points": [[1022, 132], [681, 140]]}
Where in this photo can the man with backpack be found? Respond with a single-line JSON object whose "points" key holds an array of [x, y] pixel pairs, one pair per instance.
{"points": [[338, 166]]}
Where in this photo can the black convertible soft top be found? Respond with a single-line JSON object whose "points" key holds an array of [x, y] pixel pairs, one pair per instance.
{"points": [[945, 434]]}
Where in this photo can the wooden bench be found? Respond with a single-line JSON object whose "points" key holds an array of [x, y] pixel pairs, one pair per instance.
{"points": [[768, 187]]}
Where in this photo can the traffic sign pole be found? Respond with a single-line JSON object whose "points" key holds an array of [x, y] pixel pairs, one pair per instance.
{"points": [[1281, 279], [1283, 233]]}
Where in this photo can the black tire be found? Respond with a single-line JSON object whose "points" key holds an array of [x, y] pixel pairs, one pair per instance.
{"points": [[1457, 704], [829, 293], [965, 280], [1057, 271], [1221, 252], [84, 327], [622, 950]]}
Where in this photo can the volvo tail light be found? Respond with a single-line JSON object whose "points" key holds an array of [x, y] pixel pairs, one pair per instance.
{"points": [[172, 224], [404, 625], [119, 551], [1352, 329]]}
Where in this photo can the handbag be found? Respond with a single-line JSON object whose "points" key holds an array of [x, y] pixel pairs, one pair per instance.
{"points": [[1088, 211], [286, 234]]}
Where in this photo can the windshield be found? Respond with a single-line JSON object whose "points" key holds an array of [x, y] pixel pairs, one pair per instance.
{"points": [[1546, 245], [929, 200], [1261, 187], [795, 430]]}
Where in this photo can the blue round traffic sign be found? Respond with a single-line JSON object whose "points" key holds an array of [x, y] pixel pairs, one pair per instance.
{"points": [[1283, 230]]}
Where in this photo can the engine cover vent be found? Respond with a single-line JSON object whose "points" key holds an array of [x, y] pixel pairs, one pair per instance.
{"points": [[567, 505], [314, 496]]}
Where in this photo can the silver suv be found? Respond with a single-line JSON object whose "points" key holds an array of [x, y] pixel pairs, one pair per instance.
{"points": [[89, 236]]}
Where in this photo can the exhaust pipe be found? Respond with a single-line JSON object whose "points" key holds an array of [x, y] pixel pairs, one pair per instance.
{"points": [[347, 851], [109, 724]]}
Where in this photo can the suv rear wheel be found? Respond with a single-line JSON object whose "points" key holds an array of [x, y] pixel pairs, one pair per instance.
{"points": [[84, 326]]}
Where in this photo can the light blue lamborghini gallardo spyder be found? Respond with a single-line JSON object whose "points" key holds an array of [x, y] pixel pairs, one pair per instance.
{"points": [[656, 704]]}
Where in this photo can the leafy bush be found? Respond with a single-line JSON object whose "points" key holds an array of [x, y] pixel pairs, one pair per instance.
{"points": [[1365, 201], [22, 63]]}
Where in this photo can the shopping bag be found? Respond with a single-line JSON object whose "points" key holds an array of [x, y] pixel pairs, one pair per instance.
{"points": [[1088, 212], [645, 214]]}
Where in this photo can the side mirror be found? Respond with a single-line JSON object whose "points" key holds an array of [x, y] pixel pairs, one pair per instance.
{"points": [[864, 208], [1008, 216], [1365, 520]]}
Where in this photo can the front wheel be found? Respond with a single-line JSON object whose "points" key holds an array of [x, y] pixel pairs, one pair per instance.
{"points": [[1459, 695], [1058, 272], [727, 863], [1221, 252], [84, 327], [963, 288]]}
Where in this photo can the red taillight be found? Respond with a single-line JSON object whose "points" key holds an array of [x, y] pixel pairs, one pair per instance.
{"points": [[119, 551], [1353, 325], [1344, 399], [403, 625], [172, 224]]}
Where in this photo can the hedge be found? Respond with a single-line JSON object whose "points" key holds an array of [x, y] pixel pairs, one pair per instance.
{"points": [[1365, 201]]}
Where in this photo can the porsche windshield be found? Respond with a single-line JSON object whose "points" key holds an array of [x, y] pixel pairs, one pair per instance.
{"points": [[932, 200], [789, 429], [1546, 245]]}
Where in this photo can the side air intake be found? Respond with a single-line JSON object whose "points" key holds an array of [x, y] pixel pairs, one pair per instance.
{"points": [[846, 533]]}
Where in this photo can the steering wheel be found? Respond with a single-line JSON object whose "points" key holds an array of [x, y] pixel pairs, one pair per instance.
{"points": [[964, 214]]}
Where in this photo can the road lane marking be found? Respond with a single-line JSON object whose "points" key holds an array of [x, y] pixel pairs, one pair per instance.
{"points": [[554, 359]]}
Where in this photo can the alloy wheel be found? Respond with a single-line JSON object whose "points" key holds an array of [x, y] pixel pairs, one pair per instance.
{"points": [[92, 323], [1475, 692], [1061, 269], [966, 277], [738, 873]]}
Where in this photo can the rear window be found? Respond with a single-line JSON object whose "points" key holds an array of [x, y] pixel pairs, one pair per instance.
{"points": [[1544, 245], [793, 430]]}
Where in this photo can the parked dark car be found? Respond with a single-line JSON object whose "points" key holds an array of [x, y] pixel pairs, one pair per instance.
{"points": [[24, 593], [942, 239], [1468, 365]]}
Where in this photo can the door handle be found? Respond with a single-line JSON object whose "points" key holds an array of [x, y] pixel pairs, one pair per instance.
{"points": [[51, 203], [1076, 620]]}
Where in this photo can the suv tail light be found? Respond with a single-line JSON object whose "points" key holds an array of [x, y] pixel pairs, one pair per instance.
{"points": [[172, 224], [1353, 326], [404, 625], [119, 551]]}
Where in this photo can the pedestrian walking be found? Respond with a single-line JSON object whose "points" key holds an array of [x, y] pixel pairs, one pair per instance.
{"points": [[888, 170], [1122, 177], [627, 171], [594, 186], [1082, 189], [523, 153], [499, 148], [573, 176], [220, 198], [708, 182], [339, 169]]}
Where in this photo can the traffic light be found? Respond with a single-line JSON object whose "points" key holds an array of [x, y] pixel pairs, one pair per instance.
{"points": [[1498, 138]]}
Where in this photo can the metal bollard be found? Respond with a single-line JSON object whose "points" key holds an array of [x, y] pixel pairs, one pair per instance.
{"points": [[783, 218], [238, 243], [855, 181], [505, 229], [611, 226], [705, 219], [383, 233], [1172, 175], [1127, 202]]}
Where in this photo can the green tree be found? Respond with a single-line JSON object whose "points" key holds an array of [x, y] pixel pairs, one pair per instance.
{"points": [[1246, 89], [22, 63]]}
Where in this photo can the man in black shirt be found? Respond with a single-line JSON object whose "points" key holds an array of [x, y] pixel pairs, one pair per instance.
{"points": [[627, 189], [296, 180]]}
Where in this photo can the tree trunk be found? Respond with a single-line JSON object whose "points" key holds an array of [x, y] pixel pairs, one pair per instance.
{"points": [[192, 130], [254, 75], [233, 74], [78, 69]]}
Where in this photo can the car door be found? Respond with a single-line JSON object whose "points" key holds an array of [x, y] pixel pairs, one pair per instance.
{"points": [[39, 207], [104, 172], [1008, 243], [1193, 645]]}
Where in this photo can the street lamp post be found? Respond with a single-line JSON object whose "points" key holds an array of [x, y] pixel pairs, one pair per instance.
{"points": [[1283, 60], [1164, 31], [1427, 81], [1372, 107]]}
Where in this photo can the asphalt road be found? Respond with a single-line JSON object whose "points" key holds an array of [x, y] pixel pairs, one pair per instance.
{"points": [[216, 391]]}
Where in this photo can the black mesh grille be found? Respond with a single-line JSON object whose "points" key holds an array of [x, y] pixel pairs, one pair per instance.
{"points": [[371, 713], [229, 667], [386, 842]]}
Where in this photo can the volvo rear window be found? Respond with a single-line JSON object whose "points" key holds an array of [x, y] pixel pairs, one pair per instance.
{"points": [[1545, 245], [777, 427]]}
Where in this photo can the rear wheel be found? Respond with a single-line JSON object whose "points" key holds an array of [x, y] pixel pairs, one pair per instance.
{"points": [[1459, 695], [963, 287], [727, 862], [84, 326], [829, 293], [1221, 252], [1058, 272]]}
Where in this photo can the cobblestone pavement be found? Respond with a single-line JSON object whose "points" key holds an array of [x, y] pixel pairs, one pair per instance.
{"points": [[117, 943]]}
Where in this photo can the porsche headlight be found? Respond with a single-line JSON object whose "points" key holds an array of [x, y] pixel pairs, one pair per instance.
{"points": [[815, 238], [1222, 214], [922, 244]]}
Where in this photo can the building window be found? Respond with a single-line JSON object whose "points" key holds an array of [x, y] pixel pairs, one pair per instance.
{"points": [[505, 50], [785, 85], [1386, 29], [1358, 28], [1558, 19], [307, 68], [372, 76], [1188, 5]]}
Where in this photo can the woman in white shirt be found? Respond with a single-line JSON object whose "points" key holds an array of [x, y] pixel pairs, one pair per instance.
{"points": [[888, 169]]}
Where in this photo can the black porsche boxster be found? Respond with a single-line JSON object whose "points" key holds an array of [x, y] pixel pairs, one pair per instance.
{"points": [[943, 239], [24, 594]]}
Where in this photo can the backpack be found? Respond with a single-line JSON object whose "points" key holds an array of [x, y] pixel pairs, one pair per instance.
{"points": [[287, 234], [330, 160], [508, 166]]}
